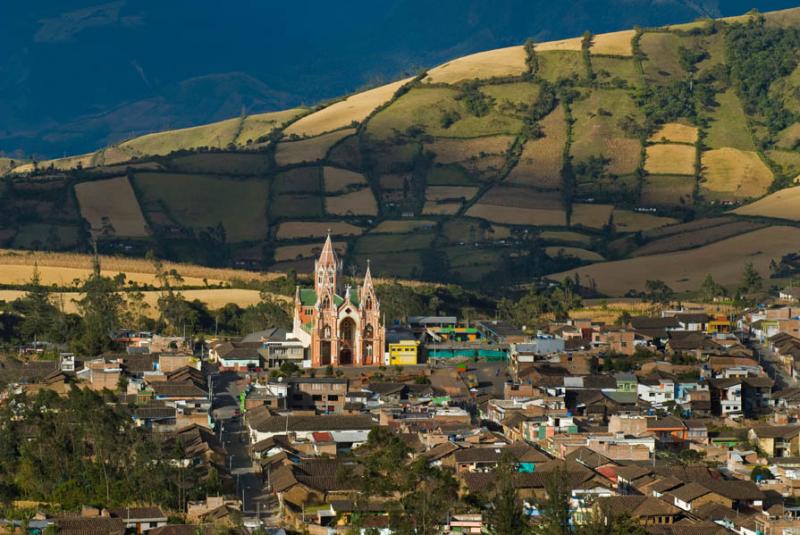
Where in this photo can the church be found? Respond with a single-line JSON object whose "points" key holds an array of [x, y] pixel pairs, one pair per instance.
{"points": [[341, 327]]}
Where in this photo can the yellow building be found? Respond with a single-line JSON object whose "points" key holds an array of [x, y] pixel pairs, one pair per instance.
{"points": [[403, 353]]}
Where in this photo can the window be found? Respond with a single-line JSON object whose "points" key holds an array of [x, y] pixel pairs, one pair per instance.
{"points": [[333, 398], [316, 397]]}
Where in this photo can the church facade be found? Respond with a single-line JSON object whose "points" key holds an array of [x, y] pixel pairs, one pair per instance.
{"points": [[340, 327]]}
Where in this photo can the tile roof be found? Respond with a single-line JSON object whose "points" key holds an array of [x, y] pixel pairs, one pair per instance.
{"points": [[276, 424]]}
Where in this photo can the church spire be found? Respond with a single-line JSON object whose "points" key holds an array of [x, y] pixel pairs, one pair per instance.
{"points": [[328, 256], [327, 268]]}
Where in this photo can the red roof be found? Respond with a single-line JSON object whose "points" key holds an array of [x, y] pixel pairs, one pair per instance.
{"points": [[609, 472], [322, 436]]}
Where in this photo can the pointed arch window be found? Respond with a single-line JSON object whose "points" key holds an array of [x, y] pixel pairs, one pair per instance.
{"points": [[326, 332], [369, 332], [368, 303], [326, 302]]}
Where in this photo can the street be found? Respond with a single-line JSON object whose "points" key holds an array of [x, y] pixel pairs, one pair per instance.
{"points": [[772, 366]]}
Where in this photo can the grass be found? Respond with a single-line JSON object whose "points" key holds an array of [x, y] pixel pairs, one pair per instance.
{"points": [[389, 243], [308, 150], [576, 252], [789, 161], [783, 204], [426, 107], [520, 206], [613, 44], [111, 208], [393, 182], [222, 163], [341, 179], [388, 265], [307, 250], [696, 238], [482, 158], [298, 180], [403, 226], [786, 90], [291, 230], [354, 108], [662, 64], [729, 124], [469, 230], [203, 201], [296, 206], [43, 235], [667, 191], [541, 160], [215, 135], [514, 94], [558, 64], [449, 175], [591, 215], [631, 221], [438, 193], [597, 130], [261, 124], [573, 44], [441, 208], [789, 137], [360, 202], [685, 270], [730, 174], [565, 236], [493, 63], [675, 133], [670, 159], [346, 153], [611, 69]]}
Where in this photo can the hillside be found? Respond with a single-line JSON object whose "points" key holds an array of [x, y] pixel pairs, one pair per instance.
{"points": [[163, 66], [625, 152]]}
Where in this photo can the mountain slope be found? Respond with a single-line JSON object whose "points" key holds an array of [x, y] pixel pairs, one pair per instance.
{"points": [[76, 74], [490, 169]]}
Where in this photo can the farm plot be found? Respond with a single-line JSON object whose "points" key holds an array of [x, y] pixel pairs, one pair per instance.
{"points": [[392, 157], [670, 159], [258, 126], [482, 158], [675, 133], [612, 70], [598, 132], [731, 174], [360, 202], [296, 206], [490, 64], [439, 112], [667, 191], [341, 179], [574, 44], [203, 201], [291, 230], [471, 230], [308, 150], [785, 90], [215, 135], [222, 163], [512, 94], [613, 44], [630, 221], [111, 208], [558, 64], [697, 224], [787, 160], [662, 64], [591, 215], [520, 206], [696, 238], [542, 159], [567, 236], [449, 175], [298, 180], [729, 124], [309, 250], [783, 204], [42, 235], [346, 153], [403, 265], [61, 164], [394, 182], [354, 108], [788, 138], [403, 226], [390, 243], [441, 207], [685, 270], [440, 193], [576, 252]]}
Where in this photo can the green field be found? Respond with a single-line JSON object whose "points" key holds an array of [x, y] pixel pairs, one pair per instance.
{"points": [[729, 124], [598, 132], [426, 108], [662, 64], [613, 70], [667, 191], [239, 205], [514, 94], [212, 163], [216, 135], [387, 243], [789, 161], [298, 180], [449, 175], [404, 264], [557, 64], [44, 236], [296, 206]]}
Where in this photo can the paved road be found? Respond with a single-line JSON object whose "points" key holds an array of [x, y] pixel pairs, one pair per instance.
{"points": [[233, 434], [772, 365]]}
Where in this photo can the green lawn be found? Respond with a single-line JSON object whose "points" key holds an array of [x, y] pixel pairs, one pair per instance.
{"points": [[608, 70], [662, 64], [555, 64], [729, 124], [203, 201]]}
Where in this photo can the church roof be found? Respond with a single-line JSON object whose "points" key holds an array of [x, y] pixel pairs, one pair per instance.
{"points": [[308, 297]]}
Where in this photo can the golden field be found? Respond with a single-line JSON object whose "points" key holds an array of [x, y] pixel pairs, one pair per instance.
{"points": [[492, 63], [113, 202], [730, 174], [309, 150], [783, 204], [670, 159], [361, 202], [675, 133]]}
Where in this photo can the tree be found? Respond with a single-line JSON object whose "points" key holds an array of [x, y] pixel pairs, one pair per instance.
{"points": [[760, 473], [710, 289], [37, 310], [751, 279], [100, 309], [657, 292], [554, 510], [505, 515]]}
